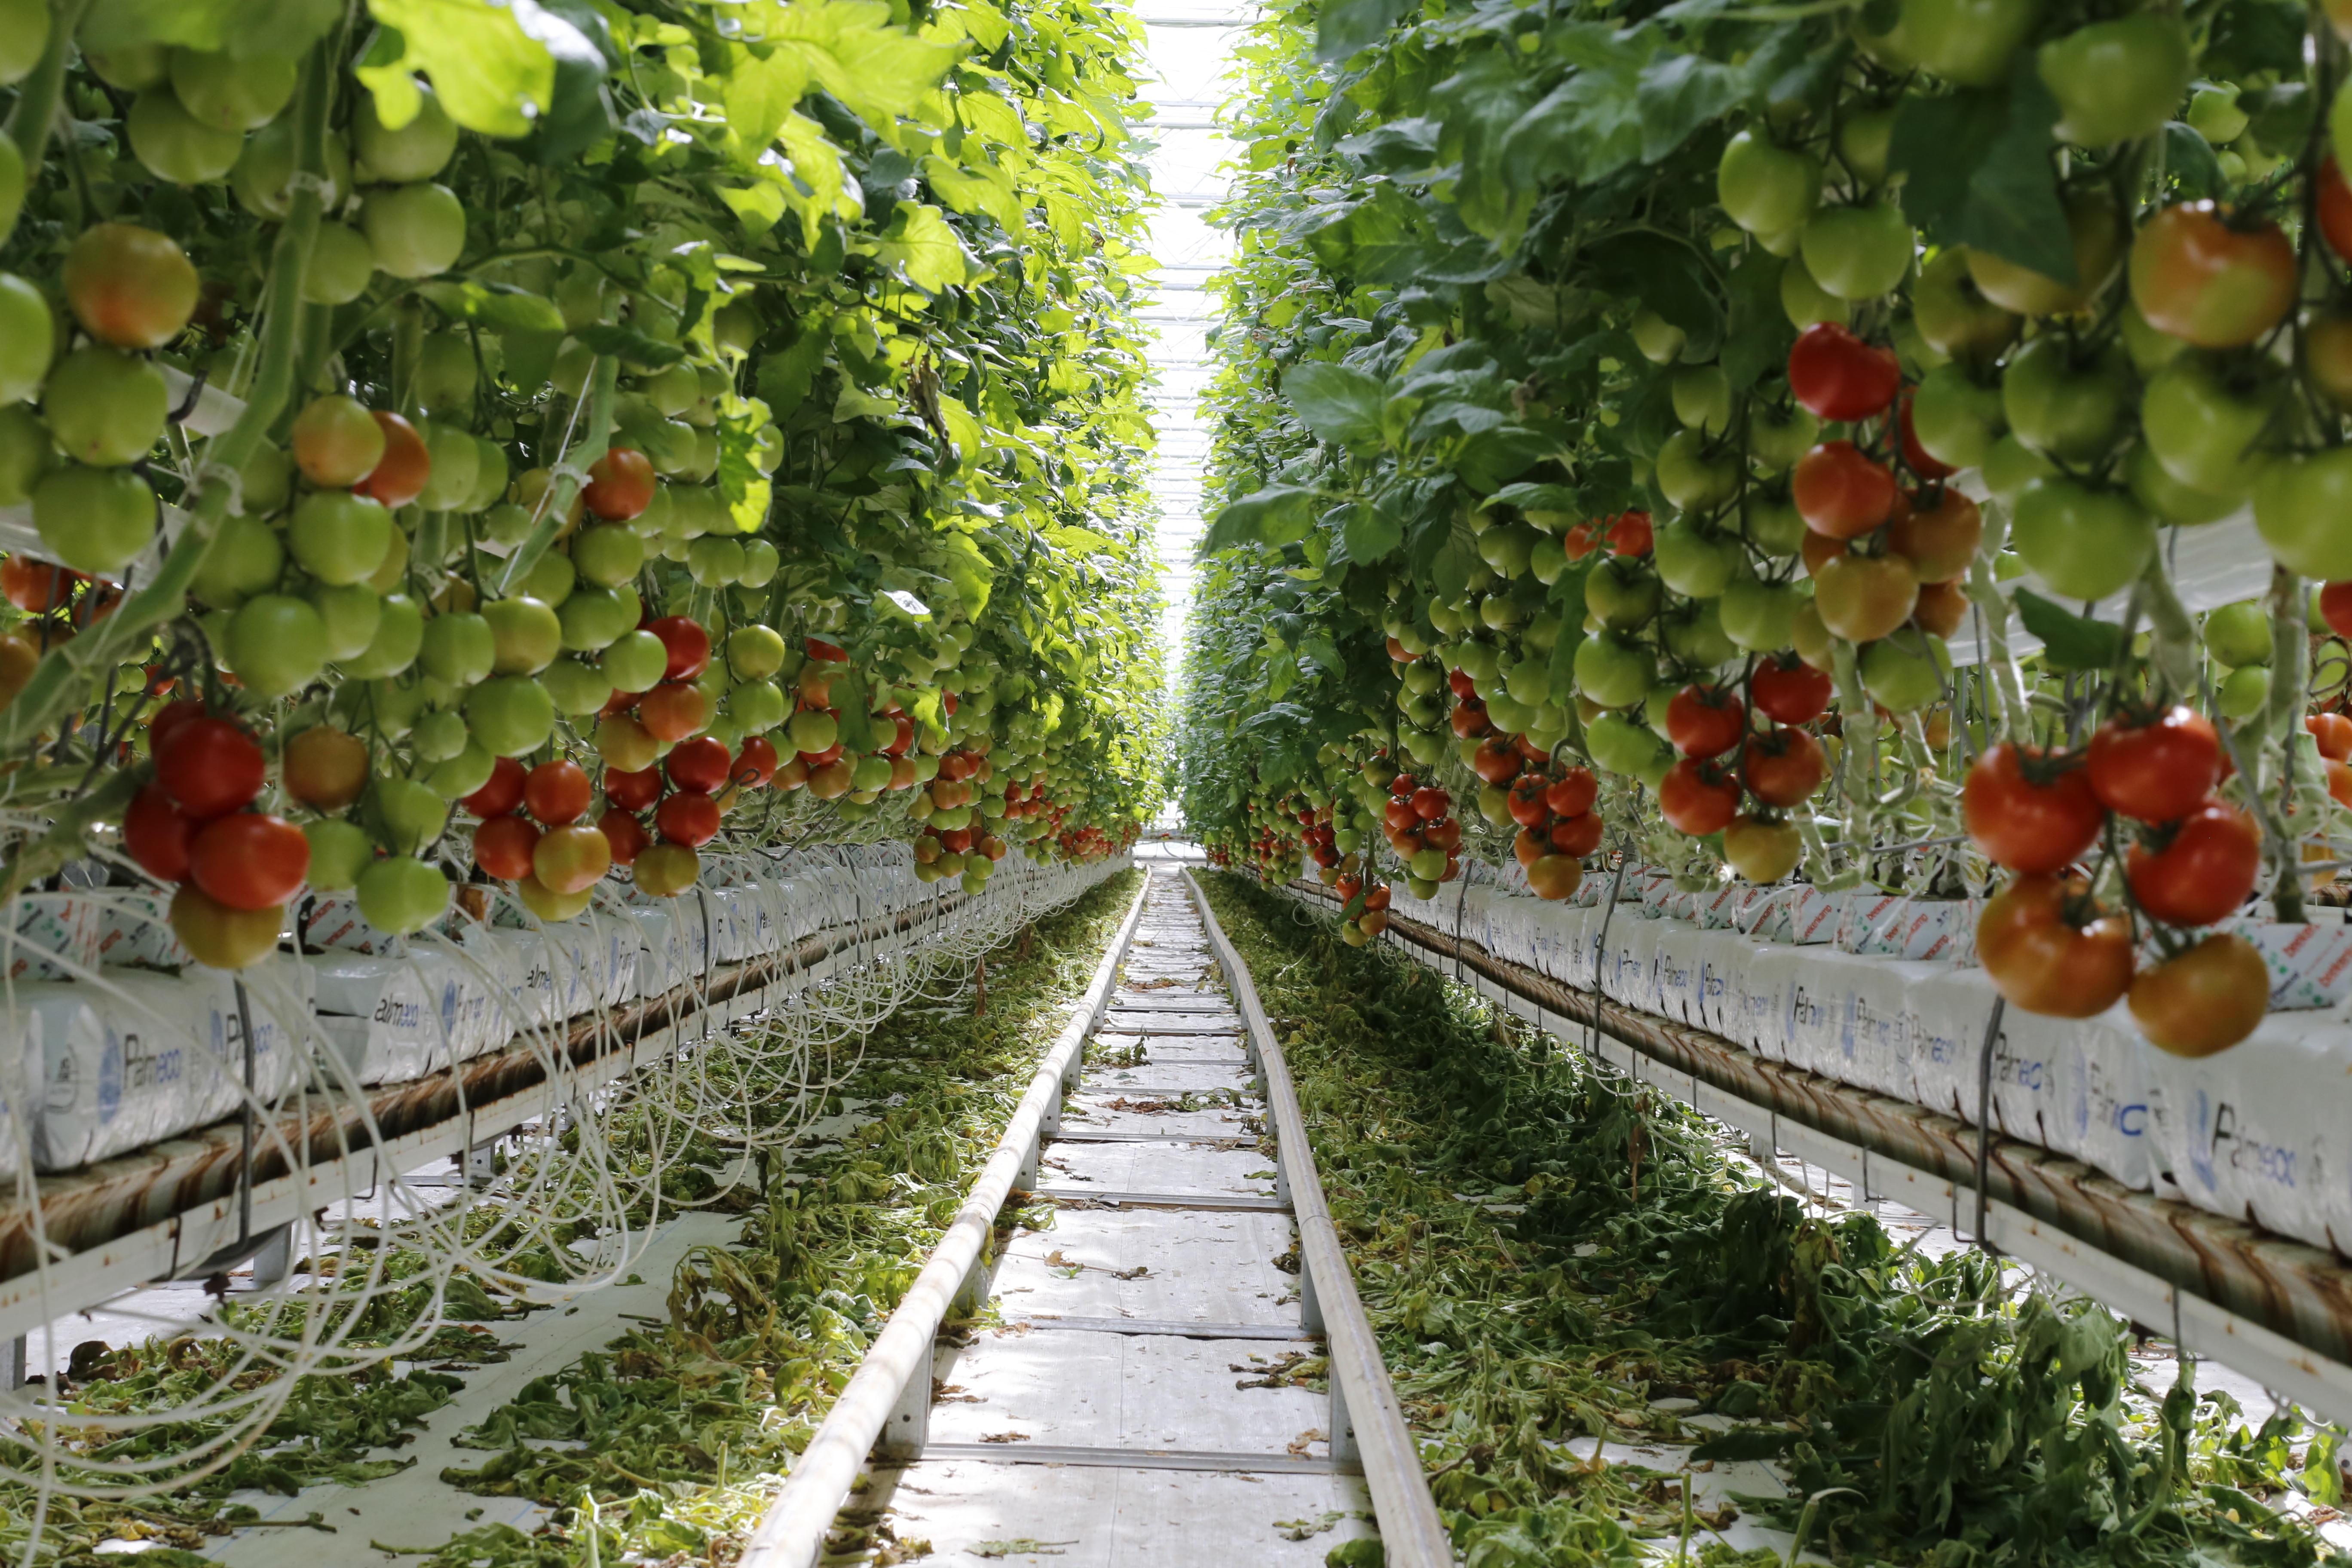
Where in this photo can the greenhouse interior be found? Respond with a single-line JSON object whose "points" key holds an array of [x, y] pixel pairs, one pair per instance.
{"points": [[1175, 785]]}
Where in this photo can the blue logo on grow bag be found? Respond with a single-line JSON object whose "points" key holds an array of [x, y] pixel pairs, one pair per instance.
{"points": [[2200, 1140], [448, 1007], [110, 1077]]}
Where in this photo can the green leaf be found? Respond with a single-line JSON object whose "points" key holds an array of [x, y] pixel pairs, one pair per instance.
{"points": [[2069, 641], [1981, 174], [1346, 26], [1338, 402], [2188, 158], [921, 241], [243, 27], [491, 74], [1277, 515], [852, 50], [1747, 1443], [1667, 275], [1679, 94], [628, 343], [1369, 532], [1537, 497], [1758, 336]]}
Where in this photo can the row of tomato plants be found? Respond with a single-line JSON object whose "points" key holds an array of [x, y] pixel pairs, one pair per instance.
{"points": [[1620, 412], [632, 423]]}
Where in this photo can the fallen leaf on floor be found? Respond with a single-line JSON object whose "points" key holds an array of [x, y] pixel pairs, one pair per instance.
{"points": [[1008, 1437], [952, 1393], [1300, 1444], [1305, 1529], [1011, 1548], [1137, 1272]]}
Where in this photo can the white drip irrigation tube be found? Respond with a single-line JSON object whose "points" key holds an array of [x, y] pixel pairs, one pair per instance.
{"points": [[1367, 1423], [892, 1387]]}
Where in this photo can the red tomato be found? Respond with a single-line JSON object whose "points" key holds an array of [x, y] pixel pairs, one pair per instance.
{"points": [[637, 791], [249, 861], [1444, 834], [2218, 278], [1793, 694], [557, 793], [2038, 822], [1429, 805], [689, 819], [688, 645], [699, 766], [1581, 540], [1841, 491], [401, 475], [1630, 534], [901, 742], [501, 795], [2334, 733], [2336, 209], [502, 847], [572, 860], [1578, 835], [620, 486], [1496, 761], [625, 834], [1784, 767], [824, 652], [2157, 772], [1529, 846], [2339, 783], [1528, 808], [1464, 689], [2199, 872], [1705, 721], [210, 766], [1916, 457], [2039, 957], [2205, 1000], [35, 586], [156, 833], [1839, 377], [755, 764], [675, 708], [1400, 817], [1574, 792], [2336, 606], [1696, 800], [1470, 718]]}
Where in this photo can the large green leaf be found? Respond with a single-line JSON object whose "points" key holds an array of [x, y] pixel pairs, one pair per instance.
{"points": [[240, 26], [490, 71], [922, 243], [1980, 173], [1339, 403]]}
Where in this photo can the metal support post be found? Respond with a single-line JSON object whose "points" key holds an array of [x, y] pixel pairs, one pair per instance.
{"points": [[908, 1428], [1027, 1179], [12, 1364], [1310, 1310], [275, 1261], [1344, 1451]]}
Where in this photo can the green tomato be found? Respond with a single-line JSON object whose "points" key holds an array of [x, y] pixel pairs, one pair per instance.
{"points": [[457, 649], [758, 706], [1660, 341], [1905, 673], [1699, 565], [1546, 561], [1760, 617], [276, 644], [2243, 693], [2011, 465], [1955, 420], [416, 230], [1613, 672], [2084, 543], [1859, 252], [1966, 42], [1778, 438], [593, 617], [755, 652], [457, 467], [2119, 80], [2203, 429], [417, 150], [340, 536], [575, 688], [2300, 506], [715, 562], [341, 267], [551, 582], [439, 735], [1623, 595], [2167, 498], [446, 373], [635, 662], [462, 774], [339, 853], [1766, 189], [268, 480], [525, 635], [403, 896], [1865, 138], [609, 555], [232, 92], [106, 408], [1806, 302], [1692, 478], [506, 525], [510, 714], [1697, 637], [24, 38], [2238, 634], [174, 145], [245, 559], [1702, 398], [399, 634], [2213, 113], [351, 617], [761, 562], [28, 331], [1953, 314], [391, 708], [2074, 413], [26, 455]]}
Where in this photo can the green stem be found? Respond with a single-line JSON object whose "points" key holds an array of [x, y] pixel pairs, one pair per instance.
{"points": [[36, 114], [587, 447], [2290, 677], [68, 672]]}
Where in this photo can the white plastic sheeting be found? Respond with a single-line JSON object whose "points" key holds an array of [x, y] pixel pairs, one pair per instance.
{"points": [[2261, 1133]]}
